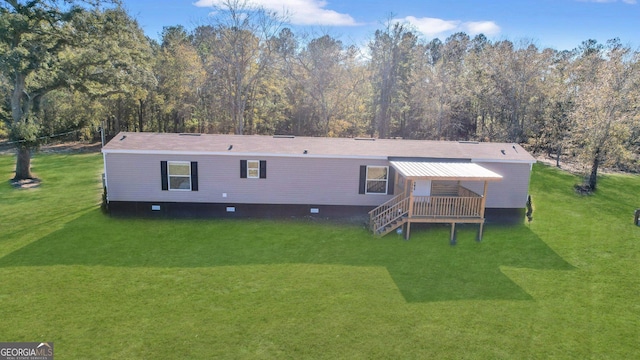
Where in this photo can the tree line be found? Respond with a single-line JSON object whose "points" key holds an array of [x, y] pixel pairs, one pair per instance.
{"points": [[87, 65]]}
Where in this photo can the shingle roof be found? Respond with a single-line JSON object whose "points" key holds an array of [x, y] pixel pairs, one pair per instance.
{"points": [[169, 143]]}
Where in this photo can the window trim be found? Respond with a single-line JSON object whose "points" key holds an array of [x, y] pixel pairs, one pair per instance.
{"points": [[169, 176], [244, 169], [367, 180], [256, 169]]}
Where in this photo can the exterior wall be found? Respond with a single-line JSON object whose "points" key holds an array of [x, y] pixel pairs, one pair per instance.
{"points": [[290, 180], [511, 192]]}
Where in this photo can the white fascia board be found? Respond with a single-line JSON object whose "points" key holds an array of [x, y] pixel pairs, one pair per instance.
{"points": [[255, 155], [503, 161]]}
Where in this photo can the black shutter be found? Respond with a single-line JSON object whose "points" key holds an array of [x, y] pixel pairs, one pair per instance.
{"points": [[194, 176], [163, 175], [391, 183], [263, 169], [243, 169], [363, 179]]}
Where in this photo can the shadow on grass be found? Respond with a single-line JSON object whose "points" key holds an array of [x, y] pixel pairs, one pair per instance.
{"points": [[425, 269]]}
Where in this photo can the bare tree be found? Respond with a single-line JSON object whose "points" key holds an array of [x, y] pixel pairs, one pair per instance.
{"points": [[242, 52], [391, 51]]}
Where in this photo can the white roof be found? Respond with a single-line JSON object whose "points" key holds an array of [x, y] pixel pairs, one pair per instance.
{"points": [[444, 170]]}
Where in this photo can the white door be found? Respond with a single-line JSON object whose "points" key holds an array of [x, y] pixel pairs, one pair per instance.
{"points": [[422, 188]]}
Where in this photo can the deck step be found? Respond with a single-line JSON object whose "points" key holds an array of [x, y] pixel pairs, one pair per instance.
{"points": [[384, 230]]}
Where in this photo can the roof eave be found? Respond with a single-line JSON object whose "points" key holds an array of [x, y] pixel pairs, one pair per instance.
{"points": [[234, 153], [452, 178]]}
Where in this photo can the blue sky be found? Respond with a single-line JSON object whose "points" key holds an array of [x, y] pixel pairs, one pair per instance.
{"points": [[559, 24]]}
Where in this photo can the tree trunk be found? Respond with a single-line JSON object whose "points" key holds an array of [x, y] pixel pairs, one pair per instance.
{"points": [[238, 116], [18, 108], [593, 177], [23, 163], [141, 116]]}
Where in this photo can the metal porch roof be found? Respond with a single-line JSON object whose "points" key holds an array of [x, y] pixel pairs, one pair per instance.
{"points": [[444, 171]]}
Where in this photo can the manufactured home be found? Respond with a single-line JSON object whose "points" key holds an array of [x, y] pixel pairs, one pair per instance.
{"points": [[393, 182]]}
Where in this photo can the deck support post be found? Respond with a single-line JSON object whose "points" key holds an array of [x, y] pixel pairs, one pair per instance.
{"points": [[479, 238], [483, 204], [407, 229], [452, 239]]}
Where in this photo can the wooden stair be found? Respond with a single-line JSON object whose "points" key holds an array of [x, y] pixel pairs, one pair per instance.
{"points": [[389, 227], [389, 216]]}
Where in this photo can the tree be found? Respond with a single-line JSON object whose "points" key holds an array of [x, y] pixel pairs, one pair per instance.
{"points": [[242, 52], [554, 124], [391, 51], [325, 74], [5, 111], [515, 73], [180, 74], [605, 105], [450, 89], [47, 45]]}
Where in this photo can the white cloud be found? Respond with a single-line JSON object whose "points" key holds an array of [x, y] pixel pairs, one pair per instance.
{"points": [[433, 27], [488, 28], [300, 12]]}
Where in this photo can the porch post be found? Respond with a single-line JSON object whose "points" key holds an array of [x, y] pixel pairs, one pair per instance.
{"points": [[484, 199], [410, 211], [483, 204], [410, 189]]}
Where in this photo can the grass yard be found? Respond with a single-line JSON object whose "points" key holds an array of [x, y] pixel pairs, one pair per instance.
{"points": [[565, 286]]}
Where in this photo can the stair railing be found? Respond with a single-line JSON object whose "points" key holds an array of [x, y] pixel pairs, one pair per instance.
{"points": [[387, 213]]}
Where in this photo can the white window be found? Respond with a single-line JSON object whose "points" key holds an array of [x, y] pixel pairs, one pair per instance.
{"points": [[377, 179], [253, 169], [179, 173]]}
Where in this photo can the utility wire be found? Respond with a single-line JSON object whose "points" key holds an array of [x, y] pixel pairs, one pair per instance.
{"points": [[39, 138]]}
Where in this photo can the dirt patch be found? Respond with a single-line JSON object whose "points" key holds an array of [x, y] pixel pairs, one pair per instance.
{"points": [[61, 148], [583, 189], [74, 147], [25, 184], [567, 165], [574, 167]]}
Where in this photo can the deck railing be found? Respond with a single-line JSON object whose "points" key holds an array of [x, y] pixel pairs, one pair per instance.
{"points": [[467, 204], [447, 206]]}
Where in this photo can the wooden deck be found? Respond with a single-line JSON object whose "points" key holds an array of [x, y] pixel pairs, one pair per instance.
{"points": [[466, 207]]}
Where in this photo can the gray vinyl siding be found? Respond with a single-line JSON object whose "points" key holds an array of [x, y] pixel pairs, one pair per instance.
{"points": [[290, 180], [511, 192]]}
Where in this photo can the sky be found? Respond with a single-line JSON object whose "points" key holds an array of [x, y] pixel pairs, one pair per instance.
{"points": [[558, 24]]}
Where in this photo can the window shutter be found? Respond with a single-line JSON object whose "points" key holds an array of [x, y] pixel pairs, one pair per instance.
{"points": [[243, 169], [391, 181], [263, 169], [363, 179], [163, 175], [194, 176]]}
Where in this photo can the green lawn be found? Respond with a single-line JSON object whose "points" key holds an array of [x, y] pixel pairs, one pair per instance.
{"points": [[565, 286]]}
